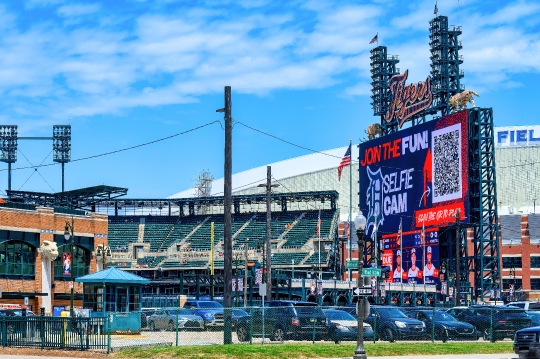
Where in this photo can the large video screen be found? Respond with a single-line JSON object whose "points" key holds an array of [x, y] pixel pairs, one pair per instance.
{"points": [[416, 176]]}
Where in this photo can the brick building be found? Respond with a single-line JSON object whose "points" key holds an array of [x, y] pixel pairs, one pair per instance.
{"points": [[23, 229], [520, 254]]}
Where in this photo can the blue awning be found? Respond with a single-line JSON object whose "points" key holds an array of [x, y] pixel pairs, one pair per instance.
{"points": [[113, 276]]}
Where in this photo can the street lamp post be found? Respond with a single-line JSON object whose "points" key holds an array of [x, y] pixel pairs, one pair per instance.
{"points": [[360, 225], [69, 232], [103, 255]]}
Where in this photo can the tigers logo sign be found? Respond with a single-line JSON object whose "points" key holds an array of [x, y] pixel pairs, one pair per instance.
{"points": [[408, 100]]}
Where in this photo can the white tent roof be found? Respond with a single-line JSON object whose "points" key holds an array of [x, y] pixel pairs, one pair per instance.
{"points": [[283, 169]]}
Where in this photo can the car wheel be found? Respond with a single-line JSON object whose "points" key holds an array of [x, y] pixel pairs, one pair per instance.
{"points": [[152, 326], [444, 336], [171, 326], [10, 329], [487, 336], [279, 335], [242, 334], [389, 335]]}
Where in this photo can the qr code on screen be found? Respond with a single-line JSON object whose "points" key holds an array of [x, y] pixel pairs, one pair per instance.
{"points": [[446, 163]]}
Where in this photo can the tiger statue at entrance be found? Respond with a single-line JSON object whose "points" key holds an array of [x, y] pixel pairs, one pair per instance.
{"points": [[48, 250], [459, 101], [373, 130]]}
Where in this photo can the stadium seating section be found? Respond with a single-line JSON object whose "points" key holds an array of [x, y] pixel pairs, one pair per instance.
{"points": [[294, 229]]}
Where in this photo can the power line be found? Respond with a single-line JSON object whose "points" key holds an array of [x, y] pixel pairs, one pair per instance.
{"points": [[120, 150]]}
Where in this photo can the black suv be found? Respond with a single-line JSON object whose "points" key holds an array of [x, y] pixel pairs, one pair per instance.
{"points": [[391, 323], [443, 326], [283, 320], [494, 322], [527, 343]]}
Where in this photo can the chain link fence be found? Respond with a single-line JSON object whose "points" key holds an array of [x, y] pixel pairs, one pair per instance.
{"points": [[262, 325]]}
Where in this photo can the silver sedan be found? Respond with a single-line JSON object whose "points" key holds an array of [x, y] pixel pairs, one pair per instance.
{"points": [[166, 319]]}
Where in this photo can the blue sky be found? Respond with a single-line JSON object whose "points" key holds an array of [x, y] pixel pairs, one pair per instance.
{"points": [[126, 72]]}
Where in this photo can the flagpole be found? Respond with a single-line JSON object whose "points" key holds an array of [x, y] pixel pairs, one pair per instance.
{"points": [[350, 215], [423, 237], [319, 234], [401, 251]]}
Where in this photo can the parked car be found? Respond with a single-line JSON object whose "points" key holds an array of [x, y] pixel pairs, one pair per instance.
{"points": [[237, 314], [284, 320], [443, 326], [145, 313], [391, 324], [15, 325], [169, 318], [527, 305], [343, 326], [494, 322], [526, 343], [210, 310]]}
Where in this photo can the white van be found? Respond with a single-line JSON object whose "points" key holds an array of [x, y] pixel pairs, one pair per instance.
{"points": [[528, 305]]}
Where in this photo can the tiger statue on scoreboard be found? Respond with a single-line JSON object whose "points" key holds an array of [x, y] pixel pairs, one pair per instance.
{"points": [[459, 101], [373, 131]]}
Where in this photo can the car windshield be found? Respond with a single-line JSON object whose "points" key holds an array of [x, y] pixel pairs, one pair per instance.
{"points": [[239, 313], [441, 316], [338, 315], [391, 313], [210, 305]]}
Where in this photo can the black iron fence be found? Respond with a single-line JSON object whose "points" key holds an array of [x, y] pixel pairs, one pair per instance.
{"points": [[43, 332]]}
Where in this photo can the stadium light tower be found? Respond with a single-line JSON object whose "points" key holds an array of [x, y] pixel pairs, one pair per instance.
{"points": [[8, 146], [62, 146]]}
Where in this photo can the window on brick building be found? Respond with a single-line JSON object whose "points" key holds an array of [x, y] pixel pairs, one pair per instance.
{"points": [[17, 259], [516, 282], [535, 261], [535, 283], [511, 262], [80, 262]]}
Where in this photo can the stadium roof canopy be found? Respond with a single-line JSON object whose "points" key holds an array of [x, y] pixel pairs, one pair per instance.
{"points": [[88, 195], [283, 169]]}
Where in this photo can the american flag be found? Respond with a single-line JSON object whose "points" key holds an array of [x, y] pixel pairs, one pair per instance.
{"points": [[319, 225], [375, 39], [436, 10], [345, 161]]}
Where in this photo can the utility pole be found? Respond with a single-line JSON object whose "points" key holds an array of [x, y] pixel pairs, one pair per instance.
{"points": [[458, 274], [268, 234], [268, 253], [227, 203], [246, 271]]}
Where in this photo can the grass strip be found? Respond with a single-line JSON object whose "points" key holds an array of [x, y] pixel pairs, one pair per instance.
{"points": [[303, 351]]}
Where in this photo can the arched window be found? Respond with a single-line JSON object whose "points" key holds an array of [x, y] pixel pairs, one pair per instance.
{"points": [[80, 262], [17, 259]]}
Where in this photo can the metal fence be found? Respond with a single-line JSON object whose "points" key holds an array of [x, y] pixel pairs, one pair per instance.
{"points": [[43, 332], [257, 325]]}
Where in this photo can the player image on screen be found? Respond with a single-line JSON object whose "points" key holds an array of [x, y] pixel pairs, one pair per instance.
{"points": [[413, 270], [429, 269], [398, 272]]}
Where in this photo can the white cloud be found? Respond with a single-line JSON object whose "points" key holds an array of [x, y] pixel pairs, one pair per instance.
{"points": [[74, 10], [160, 58]]}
